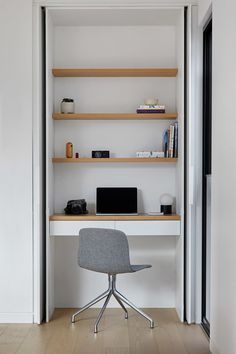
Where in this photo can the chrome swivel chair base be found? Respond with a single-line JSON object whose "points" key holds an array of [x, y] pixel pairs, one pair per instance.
{"points": [[119, 298]]}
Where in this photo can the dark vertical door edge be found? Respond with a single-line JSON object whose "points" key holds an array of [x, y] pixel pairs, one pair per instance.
{"points": [[43, 151], [206, 155], [185, 152]]}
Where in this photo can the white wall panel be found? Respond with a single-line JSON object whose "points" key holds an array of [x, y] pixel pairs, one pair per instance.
{"points": [[223, 306], [223, 222], [49, 166], [16, 295]]}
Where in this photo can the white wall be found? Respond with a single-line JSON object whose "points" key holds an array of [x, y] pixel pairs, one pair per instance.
{"points": [[204, 10], [16, 295], [113, 47], [155, 287], [223, 305], [223, 319]]}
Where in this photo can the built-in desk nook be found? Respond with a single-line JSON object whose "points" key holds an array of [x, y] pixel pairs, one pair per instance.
{"points": [[111, 63]]}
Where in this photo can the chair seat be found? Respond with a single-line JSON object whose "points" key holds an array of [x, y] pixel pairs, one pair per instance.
{"points": [[137, 267]]}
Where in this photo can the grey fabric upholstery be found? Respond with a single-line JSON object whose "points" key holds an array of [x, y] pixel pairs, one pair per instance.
{"points": [[105, 251]]}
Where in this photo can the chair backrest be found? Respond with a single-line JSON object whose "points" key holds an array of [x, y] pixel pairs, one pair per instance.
{"points": [[104, 250]]}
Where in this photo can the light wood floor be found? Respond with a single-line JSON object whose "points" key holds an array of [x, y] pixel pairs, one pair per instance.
{"points": [[116, 336]]}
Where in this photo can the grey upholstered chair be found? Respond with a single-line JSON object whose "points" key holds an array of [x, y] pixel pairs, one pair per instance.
{"points": [[107, 251]]}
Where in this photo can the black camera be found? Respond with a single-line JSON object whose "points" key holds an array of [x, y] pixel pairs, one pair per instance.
{"points": [[76, 207], [101, 154]]}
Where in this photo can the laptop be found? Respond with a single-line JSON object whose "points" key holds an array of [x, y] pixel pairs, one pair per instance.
{"points": [[116, 201]]}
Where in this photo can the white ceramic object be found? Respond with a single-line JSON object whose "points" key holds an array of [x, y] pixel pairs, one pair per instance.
{"points": [[67, 107], [151, 101], [166, 199]]}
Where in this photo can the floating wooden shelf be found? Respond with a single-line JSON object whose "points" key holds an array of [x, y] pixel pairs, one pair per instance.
{"points": [[113, 116], [116, 72], [112, 160], [93, 217]]}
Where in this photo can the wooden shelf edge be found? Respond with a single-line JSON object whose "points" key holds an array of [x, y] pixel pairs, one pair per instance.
{"points": [[113, 116], [93, 217], [115, 72], [113, 160]]}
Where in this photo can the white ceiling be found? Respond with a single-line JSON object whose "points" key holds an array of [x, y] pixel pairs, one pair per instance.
{"points": [[114, 17]]}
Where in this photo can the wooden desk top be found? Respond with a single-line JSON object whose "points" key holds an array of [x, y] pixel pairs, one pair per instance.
{"points": [[93, 217]]}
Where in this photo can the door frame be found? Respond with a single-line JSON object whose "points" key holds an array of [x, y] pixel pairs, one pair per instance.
{"points": [[193, 170], [38, 179], [191, 280]]}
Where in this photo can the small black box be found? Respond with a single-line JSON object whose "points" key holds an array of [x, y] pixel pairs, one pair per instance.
{"points": [[166, 209], [101, 154]]}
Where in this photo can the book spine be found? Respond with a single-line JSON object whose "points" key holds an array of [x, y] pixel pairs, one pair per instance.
{"points": [[165, 143], [172, 140], [150, 111], [169, 137], [176, 140]]}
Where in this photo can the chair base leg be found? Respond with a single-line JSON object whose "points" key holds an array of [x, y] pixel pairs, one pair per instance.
{"points": [[119, 298], [129, 303], [121, 304], [91, 303], [102, 311]]}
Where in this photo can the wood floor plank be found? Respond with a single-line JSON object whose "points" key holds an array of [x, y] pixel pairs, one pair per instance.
{"points": [[12, 337], [193, 339], [116, 335]]}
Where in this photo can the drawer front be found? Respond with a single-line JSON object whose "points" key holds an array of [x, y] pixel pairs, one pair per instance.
{"points": [[150, 228], [72, 228]]}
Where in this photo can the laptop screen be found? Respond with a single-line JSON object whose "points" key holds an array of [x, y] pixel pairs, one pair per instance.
{"points": [[116, 200]]}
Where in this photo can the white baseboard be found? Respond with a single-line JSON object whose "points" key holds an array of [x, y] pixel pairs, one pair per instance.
{"points": [[213, 348], [113, 305], [16, 317]]}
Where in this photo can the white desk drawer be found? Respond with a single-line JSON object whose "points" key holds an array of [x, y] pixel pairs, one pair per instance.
{"points": [[72, 228], [151, 228]]}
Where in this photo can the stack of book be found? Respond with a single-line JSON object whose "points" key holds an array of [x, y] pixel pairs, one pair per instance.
{"points": [[170, 141], [151, 109]]}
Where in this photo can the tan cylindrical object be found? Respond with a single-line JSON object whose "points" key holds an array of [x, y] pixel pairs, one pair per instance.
{"points": [[69, 150]]}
